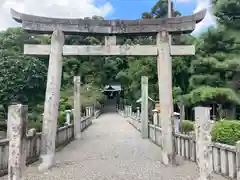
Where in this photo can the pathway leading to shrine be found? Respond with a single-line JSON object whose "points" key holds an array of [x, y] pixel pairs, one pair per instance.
{"points": [[112, 149]]}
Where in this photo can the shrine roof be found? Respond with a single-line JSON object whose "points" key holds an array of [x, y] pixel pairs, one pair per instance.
{"points": [[39, 24]]}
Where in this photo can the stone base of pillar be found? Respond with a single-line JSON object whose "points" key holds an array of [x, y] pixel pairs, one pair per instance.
{"points": [[48, 161], [78, 136], [166, 160], [179, 160]]}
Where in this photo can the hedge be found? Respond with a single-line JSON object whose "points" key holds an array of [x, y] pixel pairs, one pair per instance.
{"points": [[187, 126], [224, 131]]}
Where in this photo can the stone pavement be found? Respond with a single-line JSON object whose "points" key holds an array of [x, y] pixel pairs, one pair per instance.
{"points": [[112, 149]]}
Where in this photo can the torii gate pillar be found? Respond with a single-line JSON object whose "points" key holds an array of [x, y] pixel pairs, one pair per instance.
{"points": [[52, 99], [164, 63]]}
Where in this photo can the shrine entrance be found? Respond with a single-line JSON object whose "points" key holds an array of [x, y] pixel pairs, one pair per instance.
{"points": [[161, 29], [112, 93]]}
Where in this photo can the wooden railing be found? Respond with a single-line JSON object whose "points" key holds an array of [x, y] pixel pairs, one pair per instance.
{"points": [[97, 113], [185, 146], [224, 160], [64, 136], [224, 157], [135, 123], [155, 134]]}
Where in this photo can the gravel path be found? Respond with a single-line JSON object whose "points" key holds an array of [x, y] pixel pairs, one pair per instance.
{"points": [[112, 149]]}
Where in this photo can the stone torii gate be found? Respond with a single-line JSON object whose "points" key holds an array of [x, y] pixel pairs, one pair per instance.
{"points": [[162, 28]]}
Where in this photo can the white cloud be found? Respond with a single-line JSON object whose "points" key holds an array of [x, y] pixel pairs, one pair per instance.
{"points": [[209, 19], [51, 8]]}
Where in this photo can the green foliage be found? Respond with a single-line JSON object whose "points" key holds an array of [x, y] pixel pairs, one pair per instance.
{"points": [[160, 10], [62, 118], [227, 12], [36, 125], [187, 126], [223, 131], [22, 78], [91, 95], [3, 113], [214, 41], [26, 86], [226, 132], [35, 120], [206, 95]]}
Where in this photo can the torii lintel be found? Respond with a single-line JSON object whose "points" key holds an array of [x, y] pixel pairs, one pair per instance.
{"points": [[38, 24]]}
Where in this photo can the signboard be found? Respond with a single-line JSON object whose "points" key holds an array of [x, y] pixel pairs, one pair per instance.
{"points": [[157, 106]]}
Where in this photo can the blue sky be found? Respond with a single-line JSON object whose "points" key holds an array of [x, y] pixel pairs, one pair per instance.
{"points": [[109, 9], [132, 9]]}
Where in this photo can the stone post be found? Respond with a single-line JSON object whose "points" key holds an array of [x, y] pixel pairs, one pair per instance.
{"points": [[164, 63], [68, 117], [86, 111], [77, 107], [144, 107], [176, 122], [52, 98], [203, 142], [91, 111], [155, 117], [138, 113], [125, 111], [238, 159], [17, 117], [182, 116], [32, 132], [8, 126], [159, 119], [130, 111]]}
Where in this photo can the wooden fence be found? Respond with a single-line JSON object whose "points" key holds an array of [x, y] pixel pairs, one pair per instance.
{"points": [[97, 113], [64, 136], [224, 157]]}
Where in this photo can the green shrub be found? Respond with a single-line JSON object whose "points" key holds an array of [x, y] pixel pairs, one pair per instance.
{"points": [[35, 121], [226, 132], [38, 109], [35, 117], [187, 126], [3, 114], [36, 125], [68, 107], [62, 118]]}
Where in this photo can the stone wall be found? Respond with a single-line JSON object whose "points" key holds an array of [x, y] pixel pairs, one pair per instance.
{"points": [[64, 136], [224, 157]]}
